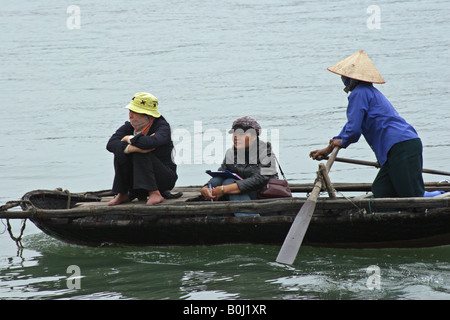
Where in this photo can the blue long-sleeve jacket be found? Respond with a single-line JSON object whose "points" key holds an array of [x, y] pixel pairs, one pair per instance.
{"points": [[369, 113]]}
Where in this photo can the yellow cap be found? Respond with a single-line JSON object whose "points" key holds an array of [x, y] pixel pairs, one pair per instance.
{"points": [[358, 66], [145, 103]]}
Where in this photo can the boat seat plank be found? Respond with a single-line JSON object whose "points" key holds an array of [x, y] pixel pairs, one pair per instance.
{"points": [[444, 195], [190, 194]]}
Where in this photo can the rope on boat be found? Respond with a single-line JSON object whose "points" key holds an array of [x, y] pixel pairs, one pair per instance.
{"points": [[370, 208], [372, 212], [348, 199], [12, 204], [69, 196], [18, 239]]}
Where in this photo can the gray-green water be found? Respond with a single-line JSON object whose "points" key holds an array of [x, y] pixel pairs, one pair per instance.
{"points": [[62, 95], [221, 272]]}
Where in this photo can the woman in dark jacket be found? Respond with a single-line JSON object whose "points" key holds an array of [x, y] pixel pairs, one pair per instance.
{"points": [[142, 149], [250, 158]]}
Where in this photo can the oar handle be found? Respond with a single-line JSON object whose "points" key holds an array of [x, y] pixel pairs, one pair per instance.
{"points": [[442, 173], [377, 165], [331, 158]]}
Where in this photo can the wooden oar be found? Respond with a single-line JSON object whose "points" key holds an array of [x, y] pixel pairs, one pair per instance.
{"points": [[294, 238], [377, 165]]}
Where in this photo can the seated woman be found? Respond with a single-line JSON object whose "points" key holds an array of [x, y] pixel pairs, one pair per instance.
{"points": [[142, 150], [250, 158]]}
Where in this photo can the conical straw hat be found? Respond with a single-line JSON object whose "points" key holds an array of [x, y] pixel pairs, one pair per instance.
{"points": [[358, 66]]}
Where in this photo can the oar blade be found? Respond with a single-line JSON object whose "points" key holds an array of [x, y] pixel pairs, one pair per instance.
{"points": [[294, 238]]}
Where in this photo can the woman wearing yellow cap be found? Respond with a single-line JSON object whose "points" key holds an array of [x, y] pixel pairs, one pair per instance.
{"points": [[395, 142], [142, 149]]}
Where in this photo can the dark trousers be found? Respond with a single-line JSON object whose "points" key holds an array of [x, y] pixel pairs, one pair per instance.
{"points": [[401, 175], [141, 173]]}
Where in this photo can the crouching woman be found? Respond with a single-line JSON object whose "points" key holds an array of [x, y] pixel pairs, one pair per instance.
{"points": [[142, 149]]}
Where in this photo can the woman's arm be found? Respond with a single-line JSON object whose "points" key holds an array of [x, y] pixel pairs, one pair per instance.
{"points": [[356, 113], [115, 143], [321, 153], [220, 191], [160, 137], [130, 149]]}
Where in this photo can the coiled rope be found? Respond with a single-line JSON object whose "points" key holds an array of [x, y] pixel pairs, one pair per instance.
{"points": [[12, 204], [361, 210], [18, 239]]}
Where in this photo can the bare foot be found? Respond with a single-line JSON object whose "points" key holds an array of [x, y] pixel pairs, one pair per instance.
{"points": [[154, 197], [120, 198]]}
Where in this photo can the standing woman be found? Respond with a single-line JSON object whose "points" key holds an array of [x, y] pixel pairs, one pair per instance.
{"points": [[142, 149], [395, 142]]}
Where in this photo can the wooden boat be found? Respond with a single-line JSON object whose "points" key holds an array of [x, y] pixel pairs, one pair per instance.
{"points": [[357, 221]]}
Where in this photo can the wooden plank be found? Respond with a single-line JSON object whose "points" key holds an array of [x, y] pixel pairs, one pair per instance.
{"points": [[327, 181]]}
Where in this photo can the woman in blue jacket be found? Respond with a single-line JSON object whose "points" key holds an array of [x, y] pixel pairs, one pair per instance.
{"points": [[395, 143], [142, 149]]}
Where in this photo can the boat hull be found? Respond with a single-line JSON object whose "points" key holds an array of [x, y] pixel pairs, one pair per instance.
{"points": [[334, 224], [372, 231]]}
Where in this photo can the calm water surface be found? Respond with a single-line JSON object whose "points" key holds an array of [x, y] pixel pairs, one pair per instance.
{"points": [[62, 95]]}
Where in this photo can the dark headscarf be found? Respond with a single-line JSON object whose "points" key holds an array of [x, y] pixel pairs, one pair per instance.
{"points": [[350, 84]]}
